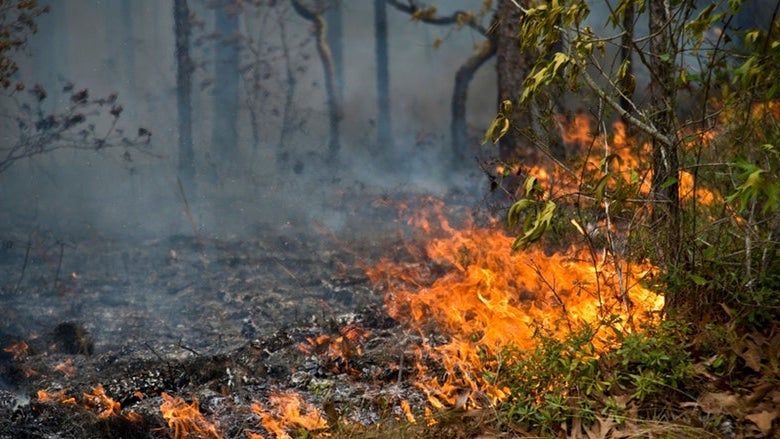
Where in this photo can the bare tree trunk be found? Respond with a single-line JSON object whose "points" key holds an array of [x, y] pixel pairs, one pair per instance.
{"points": [[186, 166], [663, 103], [282, 155], [384, 123], [224, 138], [513, 65], [315, 15], [463, 77], [336, 43]]}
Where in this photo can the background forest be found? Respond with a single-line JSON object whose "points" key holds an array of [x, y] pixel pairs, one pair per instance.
{"points": [[637, 138]]}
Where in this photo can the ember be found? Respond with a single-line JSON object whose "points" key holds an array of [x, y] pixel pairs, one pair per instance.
{"points": [[18, 349]]}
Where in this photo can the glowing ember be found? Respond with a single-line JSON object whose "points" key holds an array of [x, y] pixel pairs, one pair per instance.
{"points": [[337, 350], [185, 420], [66, 367], [18, 350], [289, 413]]}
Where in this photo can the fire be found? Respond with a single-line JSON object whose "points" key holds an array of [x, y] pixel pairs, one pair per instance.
{"points": [[185, 419], [337, 351], [492, 298], [289, 412], [18, 350], [66, 367], [98, 400]]}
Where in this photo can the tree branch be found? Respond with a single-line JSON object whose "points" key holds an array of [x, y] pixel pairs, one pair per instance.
{"points": [[421, 13]]}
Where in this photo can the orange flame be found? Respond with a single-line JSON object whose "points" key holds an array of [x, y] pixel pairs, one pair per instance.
{"points": [[66, 367], [185, 419], [18, 349], [337, 349], [290, 412], [492, 298], [98, 400]]}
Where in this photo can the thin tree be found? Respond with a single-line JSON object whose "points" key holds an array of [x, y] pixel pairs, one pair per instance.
{"points": [[512, 66], [464, 74], [384, 121], [225, 135], [315, 14], [186, 166], [333, 17]]}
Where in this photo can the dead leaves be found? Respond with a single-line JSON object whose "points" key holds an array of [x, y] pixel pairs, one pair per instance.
{"points": [[758, 403]]}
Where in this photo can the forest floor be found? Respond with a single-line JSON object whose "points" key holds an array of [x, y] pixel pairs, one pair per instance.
{"points": [[189, 336], [97, 333]]}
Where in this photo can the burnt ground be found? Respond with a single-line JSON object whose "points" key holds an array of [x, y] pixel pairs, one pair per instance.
{"points": [[226, 322]]}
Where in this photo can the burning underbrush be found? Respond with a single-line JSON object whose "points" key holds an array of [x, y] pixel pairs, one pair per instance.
{"points": [[455, 332], [488, 298]]}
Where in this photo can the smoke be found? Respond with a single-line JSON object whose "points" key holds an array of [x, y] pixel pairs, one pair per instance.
{"points": [[110, 47]]}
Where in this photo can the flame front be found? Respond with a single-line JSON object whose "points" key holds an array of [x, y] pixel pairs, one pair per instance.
{"points": [[493, 298]]}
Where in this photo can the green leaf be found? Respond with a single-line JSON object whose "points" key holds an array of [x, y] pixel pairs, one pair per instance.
{"points": [[539, 225], [698, 280], [500, 125], [669, 182], [513, 215]]}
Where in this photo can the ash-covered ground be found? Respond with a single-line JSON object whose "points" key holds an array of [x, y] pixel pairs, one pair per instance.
{"points": [[224, 321]]}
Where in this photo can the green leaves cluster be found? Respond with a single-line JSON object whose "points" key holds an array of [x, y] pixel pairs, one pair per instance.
{"points": [[567, 378], [500, 125], [536, 214], [757, 183]]}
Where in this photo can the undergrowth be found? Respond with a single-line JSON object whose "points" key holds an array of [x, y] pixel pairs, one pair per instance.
{"points": [[563, 380]]}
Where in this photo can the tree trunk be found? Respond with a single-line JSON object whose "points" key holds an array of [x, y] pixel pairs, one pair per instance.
{"points": [[463, 77], [224, 138], [186, 166], [384, 123], [665, 162], [336, 44], [315, 15], [513, 65]]}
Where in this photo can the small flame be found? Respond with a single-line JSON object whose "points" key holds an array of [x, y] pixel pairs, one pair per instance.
{"points": [[66, 367], [185, 419], [99, 400], [18, 350], [289, 412], [408, 411], [96, 401], [337, 350]]}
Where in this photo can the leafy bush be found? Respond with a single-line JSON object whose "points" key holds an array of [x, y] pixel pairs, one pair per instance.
{"points": [[561, 380]]}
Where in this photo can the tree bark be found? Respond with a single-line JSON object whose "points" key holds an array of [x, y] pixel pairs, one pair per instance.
{"points": [[384, 123], [512, 66], [463, 77], [333, 17], [186, 165], [224, 138], [315, 15]]}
